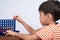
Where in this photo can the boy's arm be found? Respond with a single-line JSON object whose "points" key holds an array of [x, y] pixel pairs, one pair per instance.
{"points": [[22, 36], [28, 27], [26, 36]]}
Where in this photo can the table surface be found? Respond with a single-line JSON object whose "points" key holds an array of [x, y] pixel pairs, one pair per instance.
{"points": [[9, 38]]}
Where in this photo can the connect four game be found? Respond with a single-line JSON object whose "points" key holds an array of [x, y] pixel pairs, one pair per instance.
{"points": [[7, 24]]}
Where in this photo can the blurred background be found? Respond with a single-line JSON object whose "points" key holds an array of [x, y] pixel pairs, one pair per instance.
{"points": [[27, 9]]}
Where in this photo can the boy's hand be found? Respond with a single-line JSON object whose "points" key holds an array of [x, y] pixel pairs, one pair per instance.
{"points": [[18, 18], [9, 32]]}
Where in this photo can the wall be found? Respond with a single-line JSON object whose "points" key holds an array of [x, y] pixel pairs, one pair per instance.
{"points": [[27, 9]]}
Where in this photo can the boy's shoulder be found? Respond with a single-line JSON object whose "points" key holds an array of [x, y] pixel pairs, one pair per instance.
{"points": [[49, 27], [58, 25]]}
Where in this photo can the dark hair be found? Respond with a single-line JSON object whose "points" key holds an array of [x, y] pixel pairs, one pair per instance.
{"points": [[52, 7]]}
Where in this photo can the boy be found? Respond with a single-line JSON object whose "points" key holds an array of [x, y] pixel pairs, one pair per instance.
{"points": [[49, 14]]}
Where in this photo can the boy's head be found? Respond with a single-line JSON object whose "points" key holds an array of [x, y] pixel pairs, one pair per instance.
{"points": [[49, 12]]}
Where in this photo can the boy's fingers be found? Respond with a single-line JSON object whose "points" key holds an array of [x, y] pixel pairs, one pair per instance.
{"points": [[6, 32], [6, 35], [15, 17]]}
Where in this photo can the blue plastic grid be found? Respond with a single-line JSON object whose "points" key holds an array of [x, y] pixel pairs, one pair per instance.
{"points": [[7, 24]]}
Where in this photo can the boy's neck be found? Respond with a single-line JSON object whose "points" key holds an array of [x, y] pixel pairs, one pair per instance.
{"points": [[51, 23]]}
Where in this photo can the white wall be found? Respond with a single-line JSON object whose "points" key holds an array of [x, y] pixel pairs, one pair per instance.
{"points": [[27, 9]]}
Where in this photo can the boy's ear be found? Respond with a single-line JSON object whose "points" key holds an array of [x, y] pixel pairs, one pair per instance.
{"points": [[49, 16]]}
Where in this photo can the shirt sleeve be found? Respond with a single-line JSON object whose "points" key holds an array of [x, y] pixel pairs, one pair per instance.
{"points": [[45, 33]]}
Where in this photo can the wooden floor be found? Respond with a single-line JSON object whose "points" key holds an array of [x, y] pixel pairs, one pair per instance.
{"points": [[9, 38]]}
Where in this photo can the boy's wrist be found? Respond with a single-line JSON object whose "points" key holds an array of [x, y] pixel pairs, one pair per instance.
{"points": [[20, 20], [15, 34]]}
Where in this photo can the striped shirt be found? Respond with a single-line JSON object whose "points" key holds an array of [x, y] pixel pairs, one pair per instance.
{"points": [[51, 32]]}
